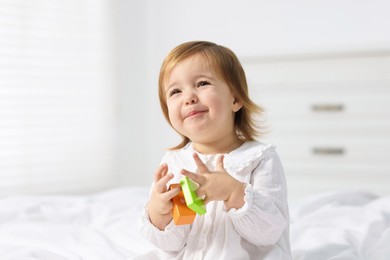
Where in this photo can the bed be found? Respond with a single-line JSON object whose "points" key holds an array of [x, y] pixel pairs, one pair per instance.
{"points": [[331, 225]]}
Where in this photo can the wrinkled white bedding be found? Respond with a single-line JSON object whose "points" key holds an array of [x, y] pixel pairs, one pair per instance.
{"points": [[341, 226], [103, 226], [95, 227]]}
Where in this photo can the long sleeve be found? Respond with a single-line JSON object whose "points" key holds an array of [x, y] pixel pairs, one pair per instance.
{"points": [[264, 216], [258, 230], [172, 239]]}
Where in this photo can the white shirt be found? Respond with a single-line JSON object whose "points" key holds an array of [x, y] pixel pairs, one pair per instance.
{"points": [[258, 230]]}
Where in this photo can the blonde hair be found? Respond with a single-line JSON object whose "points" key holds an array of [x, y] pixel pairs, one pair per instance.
{"points": [[227, 66]]}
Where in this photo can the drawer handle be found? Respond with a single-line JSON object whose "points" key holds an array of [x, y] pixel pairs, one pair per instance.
{"points": [[327, 107], [328, 151]]}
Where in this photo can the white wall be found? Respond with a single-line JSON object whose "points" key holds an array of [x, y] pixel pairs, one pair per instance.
{"points": [[250, 28], [131, 156]]}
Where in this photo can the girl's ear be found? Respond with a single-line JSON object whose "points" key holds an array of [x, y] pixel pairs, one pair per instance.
{"points": [[236, 105]]}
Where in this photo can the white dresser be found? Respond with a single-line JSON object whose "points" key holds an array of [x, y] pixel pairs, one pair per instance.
{"points": [[329, 116]]}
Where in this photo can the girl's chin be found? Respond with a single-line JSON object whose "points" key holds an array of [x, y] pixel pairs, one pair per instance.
{"points": [[201, 138], [197, 129], [200, 132]]}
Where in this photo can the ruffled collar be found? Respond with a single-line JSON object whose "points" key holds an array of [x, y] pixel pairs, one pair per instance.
{"points": [[235, 160]]}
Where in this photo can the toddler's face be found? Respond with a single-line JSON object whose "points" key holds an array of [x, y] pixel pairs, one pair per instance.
{"points": [[200, 104]]}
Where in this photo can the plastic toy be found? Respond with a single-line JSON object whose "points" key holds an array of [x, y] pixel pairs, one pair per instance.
{"points": [[195, 203], [186, 204], [182, 215]]}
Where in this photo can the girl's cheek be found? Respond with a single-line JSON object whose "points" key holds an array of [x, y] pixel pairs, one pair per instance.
{"points": [[172, 112], [173, 106]]}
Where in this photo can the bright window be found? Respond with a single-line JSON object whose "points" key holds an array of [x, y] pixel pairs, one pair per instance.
{"points": [[56, 96]]}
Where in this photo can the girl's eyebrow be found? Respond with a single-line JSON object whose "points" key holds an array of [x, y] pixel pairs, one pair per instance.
{"points": [[205, 75], [170, 86]]}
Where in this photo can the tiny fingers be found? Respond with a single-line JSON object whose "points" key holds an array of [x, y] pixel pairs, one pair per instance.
{"points": [[161, 184], [172, 193], [202, 168], [160, 172], [198, 178], [220, 166]]}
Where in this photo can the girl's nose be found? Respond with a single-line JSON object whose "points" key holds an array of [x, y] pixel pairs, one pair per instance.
{"points": [[191, 99], [189, 102]]}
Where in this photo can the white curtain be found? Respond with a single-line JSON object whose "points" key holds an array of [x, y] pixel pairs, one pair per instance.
{"points": [[56, 96]]}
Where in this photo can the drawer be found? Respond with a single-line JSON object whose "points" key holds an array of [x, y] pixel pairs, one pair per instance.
{"points": [[337, 173], [331, 151], [328, 128], [304, 180], [339, 101], [297, 68]]}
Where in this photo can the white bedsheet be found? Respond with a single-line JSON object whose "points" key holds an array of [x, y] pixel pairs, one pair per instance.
{"points": [[341, 226], [100, 226], [103, 226]]}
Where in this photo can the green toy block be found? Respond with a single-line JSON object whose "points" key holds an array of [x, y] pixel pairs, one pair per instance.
{"points": [[195, 203]]}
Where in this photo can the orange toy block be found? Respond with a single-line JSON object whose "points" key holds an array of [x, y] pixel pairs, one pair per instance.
{"points": [[182, 215]]}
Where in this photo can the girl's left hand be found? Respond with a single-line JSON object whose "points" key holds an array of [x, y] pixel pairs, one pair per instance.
{"points": [[217, 185]]}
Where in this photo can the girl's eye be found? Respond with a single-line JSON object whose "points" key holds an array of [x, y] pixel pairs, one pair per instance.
{"points": [[173, 92], [203, 83]]}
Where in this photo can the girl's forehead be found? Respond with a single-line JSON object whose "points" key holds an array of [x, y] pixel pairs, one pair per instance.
{"points": [[195, 63], [197, 59]]}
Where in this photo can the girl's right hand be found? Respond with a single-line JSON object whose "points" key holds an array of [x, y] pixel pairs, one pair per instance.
{"points": [[160, 204]]}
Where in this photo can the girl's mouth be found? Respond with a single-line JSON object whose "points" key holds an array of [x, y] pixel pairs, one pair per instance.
{"points": [[195, 113]]}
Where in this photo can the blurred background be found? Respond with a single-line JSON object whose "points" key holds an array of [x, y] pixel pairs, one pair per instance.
{"points": [[79, 110]]}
